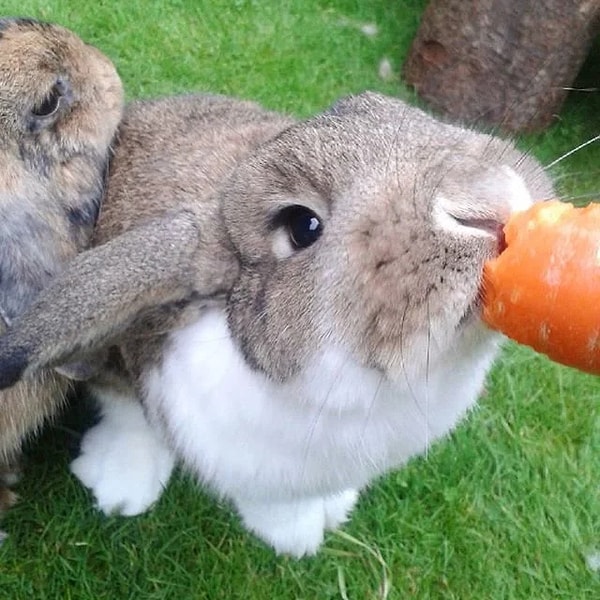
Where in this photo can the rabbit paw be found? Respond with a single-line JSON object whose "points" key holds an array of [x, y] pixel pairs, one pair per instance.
{"points": [[123, 461], [338, 508], [297, 528], [294, 528]]}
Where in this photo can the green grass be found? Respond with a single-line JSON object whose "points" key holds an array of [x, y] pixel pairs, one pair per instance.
{"points": [[507, 507]]}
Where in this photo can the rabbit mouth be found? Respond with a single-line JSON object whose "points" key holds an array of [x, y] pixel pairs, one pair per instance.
{"points": [[471, 316]]}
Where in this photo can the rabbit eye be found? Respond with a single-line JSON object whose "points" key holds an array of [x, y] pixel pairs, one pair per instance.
{"points": [[49, 104], [304, 227], [44, 114]]}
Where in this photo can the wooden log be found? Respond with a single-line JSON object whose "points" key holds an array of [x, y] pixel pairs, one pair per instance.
{"points": [[502, 62]]}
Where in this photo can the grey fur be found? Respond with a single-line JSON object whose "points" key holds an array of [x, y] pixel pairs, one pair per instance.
{"points": [[370, 167]]}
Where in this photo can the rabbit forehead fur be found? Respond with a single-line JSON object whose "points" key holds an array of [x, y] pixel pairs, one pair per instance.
{"points": [[409, 208], [33, 57], [177, 151]]}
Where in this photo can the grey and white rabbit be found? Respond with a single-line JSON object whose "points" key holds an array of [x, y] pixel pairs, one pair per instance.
{"points": [[296, 305], [60, 104]]}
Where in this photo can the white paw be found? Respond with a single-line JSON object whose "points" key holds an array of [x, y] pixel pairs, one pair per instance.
{"points": [[294, 528], [123, 462], [338, 508], [297, 528]]}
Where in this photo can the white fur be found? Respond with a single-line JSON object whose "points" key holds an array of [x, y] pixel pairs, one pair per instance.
{"points": [[593, 561], [11, 478], [517, 194], [123, 460], [296, 527], [291, 455]]}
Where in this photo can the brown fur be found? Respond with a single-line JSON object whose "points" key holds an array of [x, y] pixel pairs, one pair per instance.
{"points": [[160, 216], [170, 154], [52, 169], [54, 165]]}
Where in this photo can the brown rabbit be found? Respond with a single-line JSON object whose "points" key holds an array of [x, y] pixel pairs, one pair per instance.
{"points": [[295, 304], [60, 104]]}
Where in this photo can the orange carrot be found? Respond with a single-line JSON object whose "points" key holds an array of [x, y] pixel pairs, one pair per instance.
{"points": [[544, 288]]}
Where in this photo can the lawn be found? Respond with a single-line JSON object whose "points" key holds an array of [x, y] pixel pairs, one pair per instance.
{"points": [[507, 507]]}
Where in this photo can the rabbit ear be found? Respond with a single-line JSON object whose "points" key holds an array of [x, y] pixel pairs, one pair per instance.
{"points": [[102, 291]]}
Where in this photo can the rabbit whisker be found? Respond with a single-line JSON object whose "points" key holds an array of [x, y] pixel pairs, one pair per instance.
{"points": [[518, 102], [575, 89], [372, 405], [395, 145], [572, 151], [315, 421], [4, 316], [411, 390], [427, 373]]}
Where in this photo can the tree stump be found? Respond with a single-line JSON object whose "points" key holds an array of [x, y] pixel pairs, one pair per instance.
{"points": [[507, 63]]}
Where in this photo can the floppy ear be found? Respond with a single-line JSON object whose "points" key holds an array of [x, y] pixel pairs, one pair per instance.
{"points": [[101, 292]]}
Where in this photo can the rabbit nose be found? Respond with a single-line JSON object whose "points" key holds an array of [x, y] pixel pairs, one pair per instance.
{"points": [[471, 223], [492, 227], [482, 208], [469, 218]]}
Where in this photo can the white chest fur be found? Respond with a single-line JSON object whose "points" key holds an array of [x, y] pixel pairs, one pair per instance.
{"points": [[334, 427]]}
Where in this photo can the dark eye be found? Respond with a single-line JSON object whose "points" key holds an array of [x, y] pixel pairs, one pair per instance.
{"points": [[52, 102], [303, 225], [49, 104]]}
